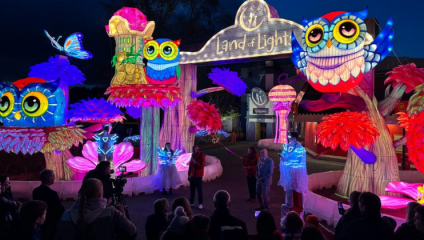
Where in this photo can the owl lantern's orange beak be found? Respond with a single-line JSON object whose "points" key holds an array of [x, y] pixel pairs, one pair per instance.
{"points": [[158, 55], [17, 115], [329, 44]]}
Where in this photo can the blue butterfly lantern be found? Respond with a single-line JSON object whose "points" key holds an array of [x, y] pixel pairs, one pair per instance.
{"points": [[72, 47], [163, 156]]}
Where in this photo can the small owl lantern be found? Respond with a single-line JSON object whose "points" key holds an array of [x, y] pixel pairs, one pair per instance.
{"points": [[162, 56], [336, 50]]}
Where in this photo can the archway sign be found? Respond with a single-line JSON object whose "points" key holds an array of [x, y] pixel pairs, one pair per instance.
{"points": [[258, 32]]}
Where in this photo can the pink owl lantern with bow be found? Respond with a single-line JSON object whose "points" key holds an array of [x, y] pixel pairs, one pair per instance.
{"points": [[282, 97]]}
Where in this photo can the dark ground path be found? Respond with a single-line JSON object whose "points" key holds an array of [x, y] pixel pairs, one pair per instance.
{"points": [[232, 180]]}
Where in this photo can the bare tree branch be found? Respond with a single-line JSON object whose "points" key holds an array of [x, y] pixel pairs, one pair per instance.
{"points": [[386, 106], [401, 141]]}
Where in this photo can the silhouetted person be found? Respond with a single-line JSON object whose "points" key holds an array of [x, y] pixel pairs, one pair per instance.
{"points": [[407, 229], [91, 218], [351, 214], [51, 198], [102, 172], [157, 223], [33, 215], [180, 202], [311, 233], [369, 226], [9, 208], [266, 228], [419, 220], [291, 226], [222, 217]]}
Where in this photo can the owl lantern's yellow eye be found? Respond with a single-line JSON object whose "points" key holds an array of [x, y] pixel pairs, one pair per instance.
{"points": [[35, 104], [150, 50], [7, 102], [346, 31], [169, 51], [314, 35]]}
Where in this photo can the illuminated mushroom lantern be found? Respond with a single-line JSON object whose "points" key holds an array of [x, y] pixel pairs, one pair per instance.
{"points": [[282, 97], [130, 87]]}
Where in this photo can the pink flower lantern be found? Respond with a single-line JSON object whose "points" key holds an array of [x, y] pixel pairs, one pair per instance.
{"points": [[282, 97], [121, 157]]}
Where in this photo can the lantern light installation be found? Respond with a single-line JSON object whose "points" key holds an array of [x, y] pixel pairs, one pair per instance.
{"points": [[205, 117], [413, 190], [281, 97], [336, 50], [130, 87], [226, 80], [121, 157], [349, 130]]}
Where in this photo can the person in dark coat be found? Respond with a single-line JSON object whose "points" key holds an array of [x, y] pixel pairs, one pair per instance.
{"points": [[102, 172], [33, 215], [351, 214], [222, 217], [369, 226], [156, 224], [266, 228], [195, 174], [9, 208], [51, 198], [407, 229], [249, 164]]}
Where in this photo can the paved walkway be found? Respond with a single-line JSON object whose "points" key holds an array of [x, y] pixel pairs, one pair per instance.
{"points": [[232, 180]]}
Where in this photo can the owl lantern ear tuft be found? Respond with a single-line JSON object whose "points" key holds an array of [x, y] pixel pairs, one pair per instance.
{"points": [[177, 42], [305, 21], [146, 41], [362, 14]]}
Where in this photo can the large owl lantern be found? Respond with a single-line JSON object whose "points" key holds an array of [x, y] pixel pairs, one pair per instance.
{"points": [[32, 102], [336, 50], [162, 61]]}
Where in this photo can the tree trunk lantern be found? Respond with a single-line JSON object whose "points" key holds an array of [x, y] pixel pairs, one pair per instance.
{"points": [[281, 97]]}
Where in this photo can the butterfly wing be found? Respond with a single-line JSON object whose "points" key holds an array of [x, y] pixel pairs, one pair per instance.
{"points": [[54, 43], [73, 47]]}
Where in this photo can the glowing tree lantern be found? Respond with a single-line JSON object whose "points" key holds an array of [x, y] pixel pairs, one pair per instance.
{"points": [[412, 78], [205, 117], [131, 87], [349, 130], [129, 27], [337, 56], [282, 97]]}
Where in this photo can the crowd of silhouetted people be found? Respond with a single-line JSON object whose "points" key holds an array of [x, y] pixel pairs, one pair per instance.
{"points": [[91, 217]]}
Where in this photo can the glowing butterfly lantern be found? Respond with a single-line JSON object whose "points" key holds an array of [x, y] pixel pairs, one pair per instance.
{"points": [[282, 97], [129, 27]]}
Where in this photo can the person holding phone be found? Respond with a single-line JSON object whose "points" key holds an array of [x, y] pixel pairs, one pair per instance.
{"points": [[196, 170], [293, 174], [167, 176]]}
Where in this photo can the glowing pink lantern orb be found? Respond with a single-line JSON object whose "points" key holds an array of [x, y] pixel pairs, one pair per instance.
{"points": [[282, 97]]}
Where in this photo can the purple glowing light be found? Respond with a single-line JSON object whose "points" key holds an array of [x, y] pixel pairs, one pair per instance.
{"points": [[94, 111], [121, 157], [134, 112], [228, 80], [58, 68]]}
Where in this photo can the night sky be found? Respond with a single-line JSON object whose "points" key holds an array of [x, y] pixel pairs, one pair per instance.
{"points": [[24, 44]]}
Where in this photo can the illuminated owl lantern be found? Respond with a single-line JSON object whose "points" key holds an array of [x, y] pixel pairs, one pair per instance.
{"points": [[162, 61], [32, 102], [336, 50]]}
